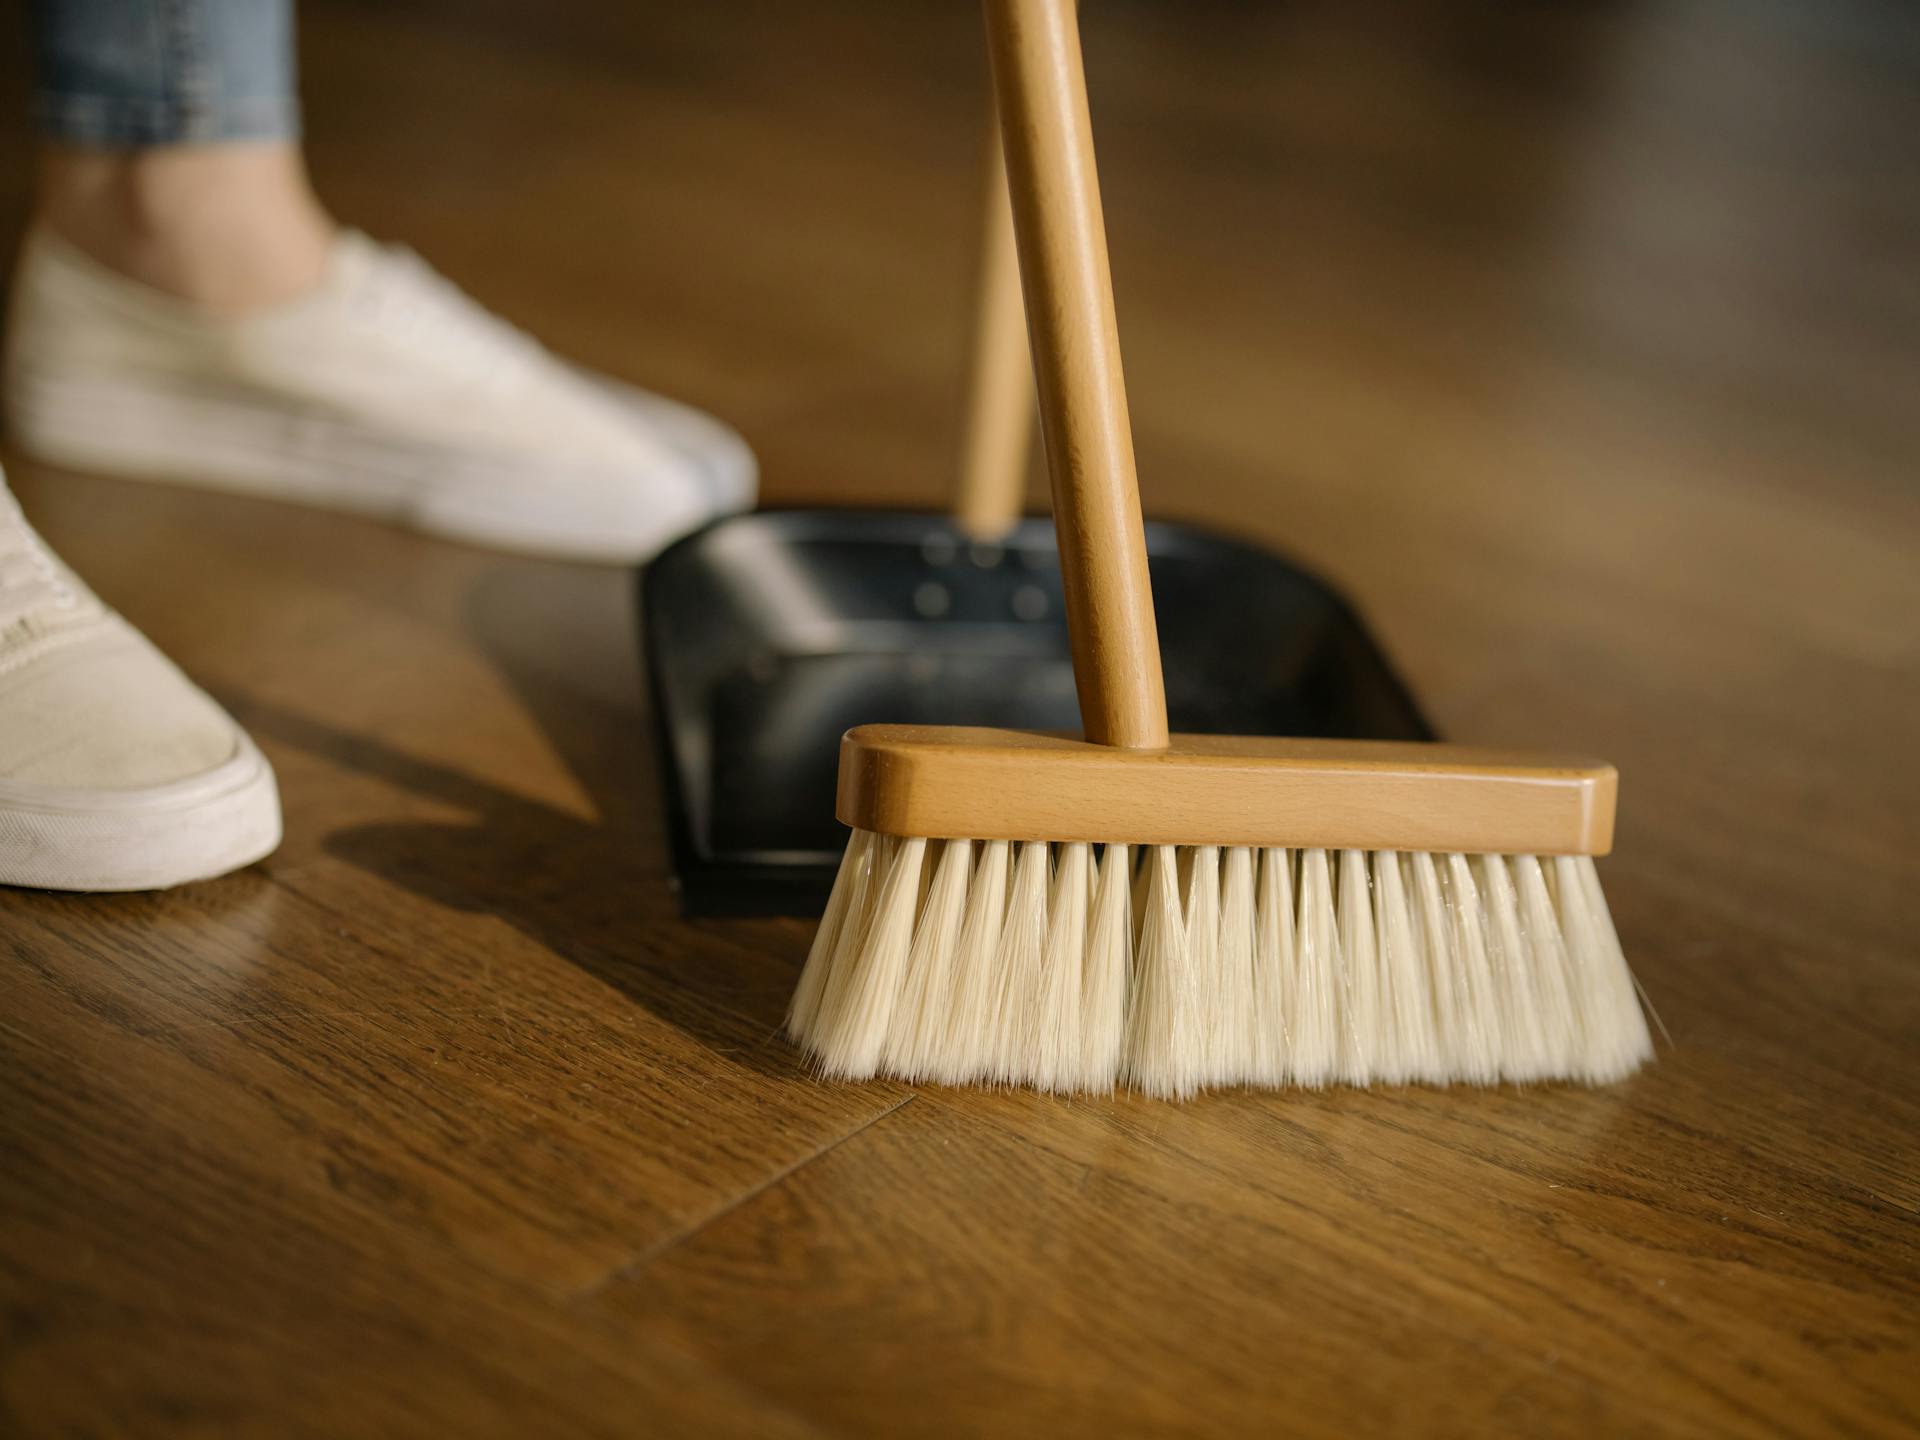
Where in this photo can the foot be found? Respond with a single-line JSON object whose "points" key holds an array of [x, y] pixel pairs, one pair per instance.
{"points": [[116, 772], [383, 390]]}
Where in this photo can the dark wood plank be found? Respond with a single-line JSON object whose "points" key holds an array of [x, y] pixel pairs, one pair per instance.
{"points": [[1578, 345], [1338, 1264]]}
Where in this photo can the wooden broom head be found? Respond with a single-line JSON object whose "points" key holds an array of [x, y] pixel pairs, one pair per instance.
{"points": [[952, 782]]}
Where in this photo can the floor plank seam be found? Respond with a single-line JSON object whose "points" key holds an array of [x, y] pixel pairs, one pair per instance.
{"points": [[653, 1252]]}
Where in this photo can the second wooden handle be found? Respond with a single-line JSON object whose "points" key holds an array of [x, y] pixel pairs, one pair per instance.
{"points": [[999, 428], [1040, 86]]}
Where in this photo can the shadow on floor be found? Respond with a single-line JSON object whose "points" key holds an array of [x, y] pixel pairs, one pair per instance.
{"points": [[596, 891]]}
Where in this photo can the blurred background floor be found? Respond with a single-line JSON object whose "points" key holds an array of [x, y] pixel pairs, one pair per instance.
{"points": [[1580, 343]]}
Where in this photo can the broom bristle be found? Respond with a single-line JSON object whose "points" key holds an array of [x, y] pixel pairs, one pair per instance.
{"points": [[1173, 970]]}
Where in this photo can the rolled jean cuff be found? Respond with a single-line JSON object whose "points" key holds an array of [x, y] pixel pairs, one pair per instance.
{"points": [[110, 122], [118, 74]]}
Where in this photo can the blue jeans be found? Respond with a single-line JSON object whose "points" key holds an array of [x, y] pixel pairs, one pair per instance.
{"points": [[115, 74]]}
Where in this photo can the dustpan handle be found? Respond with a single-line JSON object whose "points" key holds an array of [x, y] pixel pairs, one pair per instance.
{"points": [[999, 420], [1041, 89]]}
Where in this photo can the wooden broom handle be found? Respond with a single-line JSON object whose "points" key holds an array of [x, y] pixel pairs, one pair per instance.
{"points": [[1041, 88]]}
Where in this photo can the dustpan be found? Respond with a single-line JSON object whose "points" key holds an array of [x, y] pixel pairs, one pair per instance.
{"points": [[768, 635]]}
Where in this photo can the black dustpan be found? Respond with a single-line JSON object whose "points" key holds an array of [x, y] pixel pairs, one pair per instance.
{"points": [[769, 635]]}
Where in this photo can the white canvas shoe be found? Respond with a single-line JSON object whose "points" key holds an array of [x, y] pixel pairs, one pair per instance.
{"points": [[386, 391], [116, 772]]}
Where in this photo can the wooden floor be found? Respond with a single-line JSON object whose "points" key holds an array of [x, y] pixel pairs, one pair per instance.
{"points": [[1582, 344]]}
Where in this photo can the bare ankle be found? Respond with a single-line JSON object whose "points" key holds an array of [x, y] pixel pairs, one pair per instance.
{"points": [[232, 227]]}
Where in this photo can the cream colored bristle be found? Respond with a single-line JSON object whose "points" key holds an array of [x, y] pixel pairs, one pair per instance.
{"points": [[918, 1023], [1141, 872], [1536, 1015], [1465, 1047], [1540, 930], [1616, 1033], [1015, 993], [1412, 1051], [1237, 1033], [1203, 1015], [850, 947], [1480, 999], [1493, 998], [961, 1052], [1313, 1051], [849, 896], [1109, 967], [1553, 985], [860, 997], [1273, 968], [1032, 964], [1361, 1038], [1163, 1054], [1052, 1058]]}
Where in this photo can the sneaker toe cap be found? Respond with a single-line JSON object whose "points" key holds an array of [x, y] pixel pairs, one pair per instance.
{"points": [[111, 714], [717, 455]]}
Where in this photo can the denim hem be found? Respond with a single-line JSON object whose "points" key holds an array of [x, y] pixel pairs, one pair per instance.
{"points": [[116, 122]]}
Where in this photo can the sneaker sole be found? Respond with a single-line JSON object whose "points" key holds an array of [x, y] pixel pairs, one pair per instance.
{"points": [[152, 839], [238, 444]]}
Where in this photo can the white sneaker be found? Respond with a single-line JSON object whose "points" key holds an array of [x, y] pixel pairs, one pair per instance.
{"points": [[116, 773], [385, 391]]}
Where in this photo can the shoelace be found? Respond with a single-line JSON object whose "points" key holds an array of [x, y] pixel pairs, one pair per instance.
{"points": [[30, 581]]}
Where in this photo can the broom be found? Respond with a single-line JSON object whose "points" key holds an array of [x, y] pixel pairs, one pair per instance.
{"points": [[1178, 912]]}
